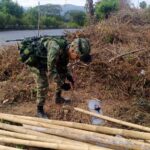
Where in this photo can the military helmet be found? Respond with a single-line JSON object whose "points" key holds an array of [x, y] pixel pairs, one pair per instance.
{"points": [[82, 46]]}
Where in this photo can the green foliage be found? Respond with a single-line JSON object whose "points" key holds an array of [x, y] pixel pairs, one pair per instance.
{"points": [[75, 17], [2, 20], [9, 7], [30, 18], [143, 4], [7, 21], [72, 25], [105, 7], [12, 16], [50, 22]]}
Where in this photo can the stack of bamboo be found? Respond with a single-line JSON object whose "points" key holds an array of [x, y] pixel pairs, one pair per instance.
{"points": [[52, 134]]}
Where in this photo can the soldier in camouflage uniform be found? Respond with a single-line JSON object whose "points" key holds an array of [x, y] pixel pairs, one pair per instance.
{"points": [[54, 66]]}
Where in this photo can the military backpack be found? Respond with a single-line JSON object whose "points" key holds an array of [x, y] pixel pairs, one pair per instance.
{"points": [[33, 52]]}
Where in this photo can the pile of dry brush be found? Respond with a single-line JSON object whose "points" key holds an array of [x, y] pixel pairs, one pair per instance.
{"points": [[121, 62]]}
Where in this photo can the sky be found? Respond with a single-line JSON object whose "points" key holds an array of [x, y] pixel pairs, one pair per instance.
{"points": [[29, 3]]}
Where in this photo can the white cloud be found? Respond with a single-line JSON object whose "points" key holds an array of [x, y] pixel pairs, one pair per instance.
{"points": [[136, 2], [27, 3]]}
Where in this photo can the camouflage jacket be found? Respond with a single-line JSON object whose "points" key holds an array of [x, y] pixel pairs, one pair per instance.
{"points": [[57, 58]]}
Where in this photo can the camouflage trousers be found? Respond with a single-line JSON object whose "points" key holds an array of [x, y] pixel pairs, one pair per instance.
{"points": [[42, 85]]}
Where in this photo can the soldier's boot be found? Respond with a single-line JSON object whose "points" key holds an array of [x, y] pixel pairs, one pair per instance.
{"points": [[59, 99], [41, 113]]}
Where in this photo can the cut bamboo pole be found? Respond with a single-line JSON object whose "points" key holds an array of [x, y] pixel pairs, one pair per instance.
{"points": [[99, 139], [51, 138], [114, 120], [85, 136], [148, 141], [44, 139], [45, 144], [28, 137], [8, 148], [93, 128]]}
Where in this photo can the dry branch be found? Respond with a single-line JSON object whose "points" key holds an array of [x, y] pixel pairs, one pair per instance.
{"points": [[114, 120], [121, 55]]}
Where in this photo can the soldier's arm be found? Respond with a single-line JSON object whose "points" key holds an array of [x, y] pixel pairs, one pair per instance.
{"points": [[69, 75], [52, 56]]}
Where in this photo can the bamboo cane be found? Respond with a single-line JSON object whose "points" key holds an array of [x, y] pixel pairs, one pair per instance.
{"points": [[43, 139], [100, 139], [114, 120], [51, 138], [86, 136], [45, 144], [28, 137], [101, 129], [148, 141], [7, 148]]}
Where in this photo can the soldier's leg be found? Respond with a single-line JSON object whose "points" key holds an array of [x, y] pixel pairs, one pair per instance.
{"points": [[42, 89]]}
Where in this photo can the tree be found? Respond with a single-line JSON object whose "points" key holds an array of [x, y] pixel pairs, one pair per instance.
{"points": [[143, 4], [30, 18], [9, 7], [105, 7], [90, 11], [10, 14], [77, 17], [50, 22], [13, 16]]}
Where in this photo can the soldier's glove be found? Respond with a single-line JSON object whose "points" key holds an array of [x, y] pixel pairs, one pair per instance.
{"points": [[70, 79], [66, 86]]}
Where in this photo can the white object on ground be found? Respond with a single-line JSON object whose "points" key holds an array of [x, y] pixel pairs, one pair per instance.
{"points": [[94, 105]]}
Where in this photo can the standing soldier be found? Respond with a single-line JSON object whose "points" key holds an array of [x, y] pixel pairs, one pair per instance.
{"points": [[48, 58]]}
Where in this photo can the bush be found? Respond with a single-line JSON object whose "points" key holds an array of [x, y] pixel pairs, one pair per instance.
{"points": [[72, 25], [50, 22], [7, 21], [78, 17]]}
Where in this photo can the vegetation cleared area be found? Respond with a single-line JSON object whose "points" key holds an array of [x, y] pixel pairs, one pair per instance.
{"points": [[119, 74]]}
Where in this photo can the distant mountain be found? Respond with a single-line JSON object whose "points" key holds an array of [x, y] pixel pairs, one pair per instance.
{"points": [[69, 7], [49, 8]]}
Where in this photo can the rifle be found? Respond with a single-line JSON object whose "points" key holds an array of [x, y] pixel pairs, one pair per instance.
{"points": [[36, 37], [14, 40]]}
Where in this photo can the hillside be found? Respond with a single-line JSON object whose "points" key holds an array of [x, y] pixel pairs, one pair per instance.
{"points": [[69, 7], [56, 9]]}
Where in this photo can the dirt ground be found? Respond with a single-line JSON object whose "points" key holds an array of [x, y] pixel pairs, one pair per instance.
{"points": [[96, 80]]}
